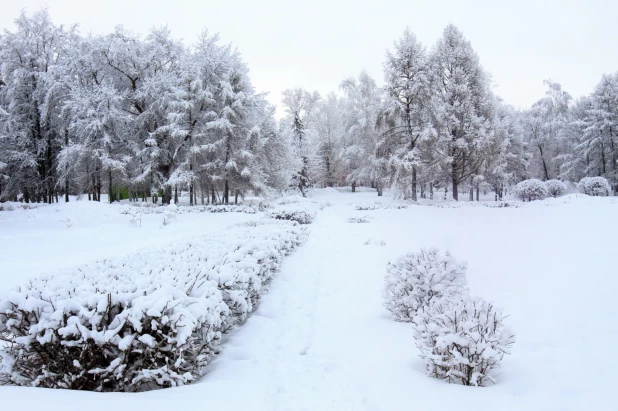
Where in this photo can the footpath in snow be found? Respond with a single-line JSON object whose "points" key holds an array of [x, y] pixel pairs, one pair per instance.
{"points": [[321, 340]]}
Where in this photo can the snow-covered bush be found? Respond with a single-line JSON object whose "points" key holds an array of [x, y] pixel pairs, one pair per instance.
{"points": [[556, 188], [594, 186], [529, 190], [149, 208], [301, 213], [151, 319], [363, 219], [415, 279], [462, 339]]}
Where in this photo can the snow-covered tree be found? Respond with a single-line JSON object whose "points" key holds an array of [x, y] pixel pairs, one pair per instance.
{"points": [[358, 146], [543, 125], [462, 108], [31, 132], [329, 130], [300, 105], [405, 113]]}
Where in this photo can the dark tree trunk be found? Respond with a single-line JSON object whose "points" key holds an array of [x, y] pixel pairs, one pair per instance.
{"points": [[354, 186], [110, 191], [544, 164], [455, 192], [414, 183]]}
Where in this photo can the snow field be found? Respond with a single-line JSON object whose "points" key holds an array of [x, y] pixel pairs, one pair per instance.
{"points": [[321, 339]]}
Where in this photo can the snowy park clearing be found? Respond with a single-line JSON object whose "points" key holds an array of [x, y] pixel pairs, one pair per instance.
{"points": [[320, 338]]}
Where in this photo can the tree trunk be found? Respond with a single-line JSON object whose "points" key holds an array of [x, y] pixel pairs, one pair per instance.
{"points": [[455, 192], [477, 192], [431, 190], [167, 194], [354, 186], [66, 179], [414, 183], [175, 194], [110, 191], [226, 192], [544, 164], [99, 186]]}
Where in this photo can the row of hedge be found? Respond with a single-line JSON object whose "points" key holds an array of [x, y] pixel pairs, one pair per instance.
{"points": [[150, 320]]}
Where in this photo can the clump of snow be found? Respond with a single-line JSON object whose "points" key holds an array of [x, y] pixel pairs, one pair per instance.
{"points": [[594, 186], [375, 242], [363, 219], [415, 279], [151, 319], [556, 188], [462, 339], [530, 190]]}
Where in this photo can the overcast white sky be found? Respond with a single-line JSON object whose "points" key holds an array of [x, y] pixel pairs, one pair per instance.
{"points": [[316, 44]]}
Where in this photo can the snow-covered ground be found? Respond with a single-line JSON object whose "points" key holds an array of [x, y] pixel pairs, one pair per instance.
{"points": [[321, 340], [52, 237]]}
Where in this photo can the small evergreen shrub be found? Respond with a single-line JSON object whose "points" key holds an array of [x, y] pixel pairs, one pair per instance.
{"points": [[530, 190], [594, 186], [462, 339], [556, 188], [415, 279]]}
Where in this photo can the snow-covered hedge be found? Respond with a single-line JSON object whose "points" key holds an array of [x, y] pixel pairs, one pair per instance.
{"points": [[462, 339], [152, 319], [378, 206], [529, 190], [556, 188], [154, 209], [302, 213], [415, 279], [594, 186]]}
